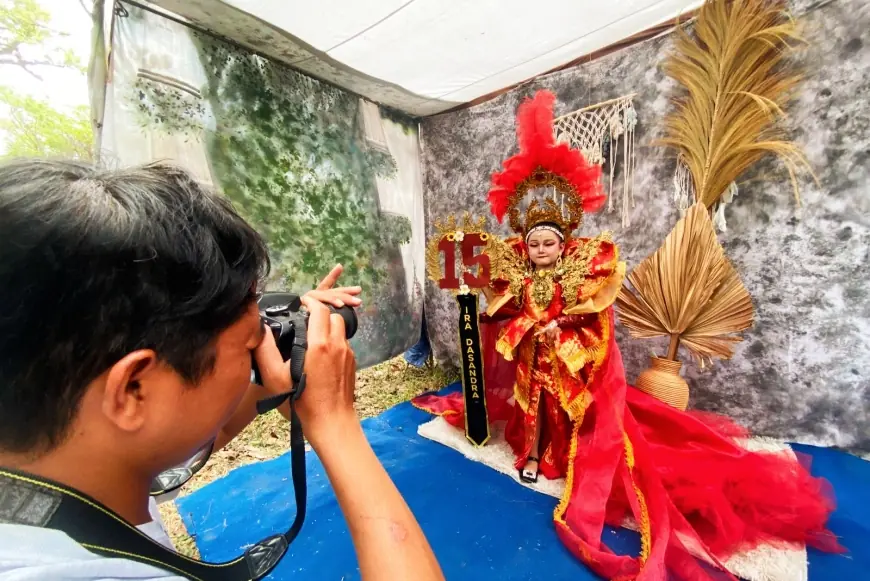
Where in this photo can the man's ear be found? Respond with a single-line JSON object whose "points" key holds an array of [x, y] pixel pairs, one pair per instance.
{"points": [[123, 397]]}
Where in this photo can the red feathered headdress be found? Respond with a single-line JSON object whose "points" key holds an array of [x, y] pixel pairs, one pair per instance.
{"points": [[542, 162]]}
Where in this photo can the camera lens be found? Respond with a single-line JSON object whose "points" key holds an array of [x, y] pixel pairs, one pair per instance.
{"points": [[350, 320]]}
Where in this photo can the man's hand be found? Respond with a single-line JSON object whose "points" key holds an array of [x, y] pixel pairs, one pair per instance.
{"points": [[337, 297], [330, 369], [334, 353]]}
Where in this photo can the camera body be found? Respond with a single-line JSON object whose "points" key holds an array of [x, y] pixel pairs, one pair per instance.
{"points": [[283, 315]]}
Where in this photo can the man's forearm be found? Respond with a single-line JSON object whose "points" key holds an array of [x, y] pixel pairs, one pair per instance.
{"points": [[389, 543]]}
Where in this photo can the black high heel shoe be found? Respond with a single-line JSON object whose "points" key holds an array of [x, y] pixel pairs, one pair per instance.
{"points": [[527, 475]]}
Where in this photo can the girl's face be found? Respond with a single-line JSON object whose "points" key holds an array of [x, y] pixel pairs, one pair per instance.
{"points": [[545, 248]]}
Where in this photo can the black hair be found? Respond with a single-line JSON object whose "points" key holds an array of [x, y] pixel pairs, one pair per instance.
{"points": [[95, 264]]}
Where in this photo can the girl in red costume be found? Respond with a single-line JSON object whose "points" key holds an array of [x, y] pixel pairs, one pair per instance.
{"points": [[697, 496]]}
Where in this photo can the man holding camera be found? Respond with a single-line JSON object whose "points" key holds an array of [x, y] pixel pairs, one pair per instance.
{"points": [[128, 317]]}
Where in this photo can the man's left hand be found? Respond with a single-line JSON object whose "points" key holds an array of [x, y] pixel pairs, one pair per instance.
{"points": [[339, 296]]}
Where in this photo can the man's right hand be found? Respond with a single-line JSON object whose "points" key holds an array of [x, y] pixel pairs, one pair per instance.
{"points": [[330, 371]]}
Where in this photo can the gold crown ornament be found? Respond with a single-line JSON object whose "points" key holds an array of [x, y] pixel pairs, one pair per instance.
{"points": [[542, 163], [547, 212]]}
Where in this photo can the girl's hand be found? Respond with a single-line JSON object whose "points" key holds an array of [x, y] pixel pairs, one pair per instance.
{"points": [[550, 331]]}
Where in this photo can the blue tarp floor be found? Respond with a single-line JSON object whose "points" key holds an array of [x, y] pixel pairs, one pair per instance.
{"points": [[481, 524]]}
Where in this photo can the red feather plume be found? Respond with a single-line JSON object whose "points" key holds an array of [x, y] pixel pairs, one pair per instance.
{"points": [[538, 149]]}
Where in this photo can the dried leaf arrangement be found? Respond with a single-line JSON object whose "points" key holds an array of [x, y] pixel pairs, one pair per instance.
{"points": [[688, 291], [738, 80]]}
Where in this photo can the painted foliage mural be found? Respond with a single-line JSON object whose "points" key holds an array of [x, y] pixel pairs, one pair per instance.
{"points": [[324, 177], [803, 372]]}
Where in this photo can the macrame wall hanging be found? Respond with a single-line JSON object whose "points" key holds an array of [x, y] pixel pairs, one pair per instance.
{"points": [[596, 130], [684, 195]]}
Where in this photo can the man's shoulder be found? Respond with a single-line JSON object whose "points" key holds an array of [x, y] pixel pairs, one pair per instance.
{"points": [[31, 554]]}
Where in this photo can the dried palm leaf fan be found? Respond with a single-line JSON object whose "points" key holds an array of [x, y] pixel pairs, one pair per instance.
{"points": [[738, 80], [687, 291]]}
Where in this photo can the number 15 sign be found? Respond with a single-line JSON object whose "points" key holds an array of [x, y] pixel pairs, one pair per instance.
{"points": [[474, 267], [475, 270]]}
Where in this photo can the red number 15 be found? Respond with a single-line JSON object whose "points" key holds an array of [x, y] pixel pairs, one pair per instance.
{"points": [[469, 260]]}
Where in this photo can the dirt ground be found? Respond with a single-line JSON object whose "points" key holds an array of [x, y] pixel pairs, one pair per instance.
{"points": [[378, 388]]}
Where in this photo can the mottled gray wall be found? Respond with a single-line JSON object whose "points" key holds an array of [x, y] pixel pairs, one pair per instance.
{"points": [[803, 372]]}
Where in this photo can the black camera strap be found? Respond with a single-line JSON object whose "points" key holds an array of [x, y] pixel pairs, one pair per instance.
{"points": [[30, 500]]}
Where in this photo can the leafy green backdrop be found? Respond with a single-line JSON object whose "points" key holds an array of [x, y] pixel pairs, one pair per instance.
{"points": [[291, 154]]}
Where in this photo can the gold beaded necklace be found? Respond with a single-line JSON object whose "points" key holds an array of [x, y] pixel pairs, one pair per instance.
{"points": [[544, 284]]}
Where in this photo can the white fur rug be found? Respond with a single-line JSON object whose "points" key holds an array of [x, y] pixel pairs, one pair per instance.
{"points": [[760, 564]]}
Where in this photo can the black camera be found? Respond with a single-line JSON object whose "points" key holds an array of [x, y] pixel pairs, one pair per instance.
{"points": [[282, 314]]}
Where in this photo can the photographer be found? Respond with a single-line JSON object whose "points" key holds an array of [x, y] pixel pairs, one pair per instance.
{"points": [[128, 317]]}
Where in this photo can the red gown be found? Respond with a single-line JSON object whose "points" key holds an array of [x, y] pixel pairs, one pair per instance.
{"points": [[697, 496]]}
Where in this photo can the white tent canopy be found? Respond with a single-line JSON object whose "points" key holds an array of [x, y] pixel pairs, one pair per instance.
{"points": [[426, 56]]}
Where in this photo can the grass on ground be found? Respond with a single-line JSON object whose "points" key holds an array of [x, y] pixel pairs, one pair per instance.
{"points": [[377, 389]]}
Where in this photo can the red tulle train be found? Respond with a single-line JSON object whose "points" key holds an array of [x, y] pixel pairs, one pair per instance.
{"points": [[705, 496]]}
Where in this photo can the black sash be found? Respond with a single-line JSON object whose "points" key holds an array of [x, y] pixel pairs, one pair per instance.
{"points": [[476, 421]]}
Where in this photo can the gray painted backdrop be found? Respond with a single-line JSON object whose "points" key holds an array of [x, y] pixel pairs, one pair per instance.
{"points": [[803, 372]]}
